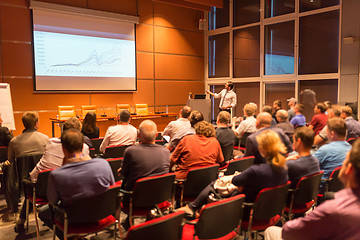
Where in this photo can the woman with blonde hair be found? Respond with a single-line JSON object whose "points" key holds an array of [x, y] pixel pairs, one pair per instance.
{"points": [[252, 180]]}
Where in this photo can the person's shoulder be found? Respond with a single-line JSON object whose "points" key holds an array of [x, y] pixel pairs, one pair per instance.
{"points": [[42, 135]]}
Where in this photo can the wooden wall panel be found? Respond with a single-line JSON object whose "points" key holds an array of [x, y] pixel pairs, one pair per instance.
{"points": [[74, 3], [144, 38], [179, 59], [17, 59], [145, 65], [118, 6], [181, 42], [20, 29], [179, 67], [176, 92], [146, 11], [176, 17], [23, 3]]}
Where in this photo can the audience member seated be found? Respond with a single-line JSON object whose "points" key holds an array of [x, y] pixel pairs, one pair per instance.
{"points": [[291, 104], [332, 155], [200, 149], [298, 120], [263, 121], [276, 108], [268, 109], [321, 138], [30, 142], [352, 126], [79, 177], [181, 123], [121, 134], [254, 178], [52, 159], [318, 121], [247, 125], [5, 134], [225, 135], [304, 163], [333, 219], [143, 160], [194, 118], [89, 127], [284, 124]]}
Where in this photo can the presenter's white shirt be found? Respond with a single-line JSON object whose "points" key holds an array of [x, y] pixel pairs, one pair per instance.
{"points": [[227, 98], [119, 135]]}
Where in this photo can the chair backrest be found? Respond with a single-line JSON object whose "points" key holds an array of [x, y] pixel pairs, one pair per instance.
{"points": [[96, 142], [219, 218], [351, 140], [24, 165], [42, 183], [66, 112], [153, 190], [198, 178], [115, 151], [307, 188], [243, 138], [167, 227], [270, 202], [227, 152], [115, 164], [3, 154], [335, 184], [120, 107], [91, 209], [239, 164], [141, 109], [88, 108]]}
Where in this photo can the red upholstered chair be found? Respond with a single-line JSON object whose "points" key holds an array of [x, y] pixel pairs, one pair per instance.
{"points": [[115, 164], [38, 196], [96, 142], [304, 196], [267, 209], [115, 151], [197, 179], [149, 193], [239, 164], [334, 184], [351, 140], [88, 215], [3, 153], [218, 220], [242, 142], [168, 227]]}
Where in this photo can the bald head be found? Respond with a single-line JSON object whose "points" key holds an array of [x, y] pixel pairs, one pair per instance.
{"points": [[185, 111], [263, 120], [282, 115], [148, 131]]}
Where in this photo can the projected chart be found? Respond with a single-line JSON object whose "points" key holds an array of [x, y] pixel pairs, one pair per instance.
{"points": [[58, 54]]}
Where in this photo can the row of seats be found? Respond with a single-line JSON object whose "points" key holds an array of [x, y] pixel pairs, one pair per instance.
{"points": [[65, 112]]}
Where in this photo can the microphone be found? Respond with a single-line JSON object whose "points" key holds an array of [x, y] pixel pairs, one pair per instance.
{"points": [[103, 115]]}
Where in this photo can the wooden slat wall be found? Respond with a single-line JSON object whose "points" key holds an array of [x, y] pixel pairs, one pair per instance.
{"points": [[170, 58]]}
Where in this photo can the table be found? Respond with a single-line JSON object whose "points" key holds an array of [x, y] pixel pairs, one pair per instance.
{"points": [[161, 119]]}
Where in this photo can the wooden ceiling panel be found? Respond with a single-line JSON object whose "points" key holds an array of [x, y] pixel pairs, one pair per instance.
{"points": [[187, 4]]}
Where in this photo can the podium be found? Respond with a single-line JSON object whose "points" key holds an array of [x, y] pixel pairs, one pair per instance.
{"points": [[201, 105]]}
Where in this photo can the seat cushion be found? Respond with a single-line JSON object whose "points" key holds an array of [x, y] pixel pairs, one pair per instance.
{"points": [[188, 233], [260, 225], [82, 228]]}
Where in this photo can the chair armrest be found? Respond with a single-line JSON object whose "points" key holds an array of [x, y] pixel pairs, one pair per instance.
{"points": [[179, 181], [248, 204], [27, 181], [292, 190], [126, 192]]}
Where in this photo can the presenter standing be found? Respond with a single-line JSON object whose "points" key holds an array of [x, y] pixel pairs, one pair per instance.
{"points": [[228, 97]]}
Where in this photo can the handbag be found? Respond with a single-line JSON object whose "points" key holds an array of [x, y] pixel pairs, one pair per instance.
{"points": [[223, 185]]}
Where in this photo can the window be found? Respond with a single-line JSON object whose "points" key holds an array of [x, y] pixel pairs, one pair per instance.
{"points": [[246, 11], [279, 91], [279, 7], [279, 48], [219, 17], [247, 52], [307, 5], [219, 55], [319, 43]]}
